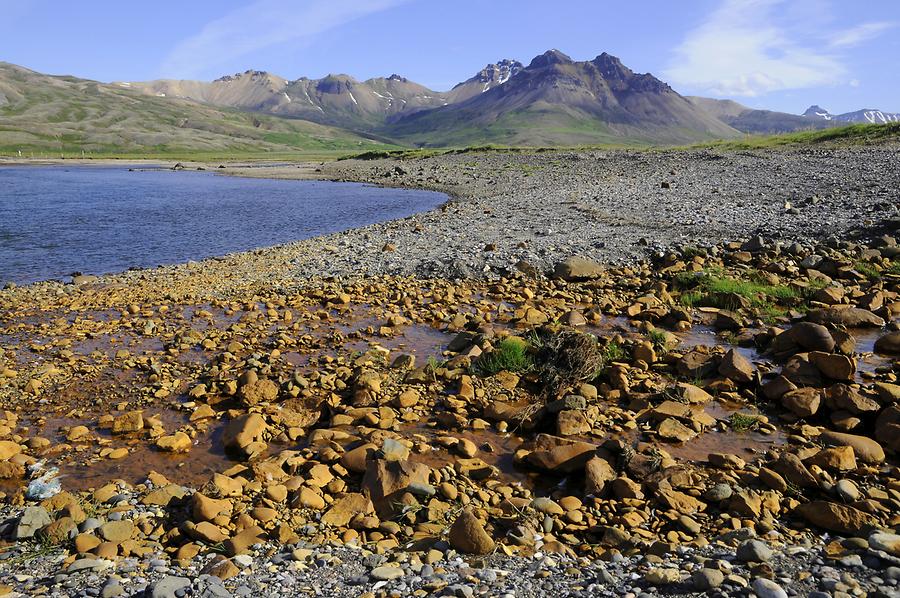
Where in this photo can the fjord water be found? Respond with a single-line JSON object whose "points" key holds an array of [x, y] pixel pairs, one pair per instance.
{"points": [[58, 220]]}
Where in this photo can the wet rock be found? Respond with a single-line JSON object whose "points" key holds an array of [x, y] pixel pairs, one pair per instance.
{"points": [[736, 367], [833, 366], [889, 344], [128, 423], [467, 535], [179, 442]]}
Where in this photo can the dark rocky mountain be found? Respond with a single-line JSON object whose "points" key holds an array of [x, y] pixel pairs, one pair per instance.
{"points": [[556, 100]]}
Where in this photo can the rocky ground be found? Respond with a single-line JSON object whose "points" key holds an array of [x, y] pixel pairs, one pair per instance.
{"points": [[566, 382]]}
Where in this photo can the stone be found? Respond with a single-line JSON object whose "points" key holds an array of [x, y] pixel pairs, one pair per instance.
{"points": [[707, 579], [578, 268], [117, 531], [179, 442], [345, 508], [886, 542], [766, 588], [794, 471], [841, 519], [386, 573], [572, 423], [242, 541], [168, 587], [811, 337], [257, 391], [163, 496], [847, 490], [889, 344], [598, 473], [865, 449], [672, 429], [736, 367], [244, 435], [9, 449], [842, 397], [662, 577], [754, 551], [840, 458], [803, 402], [31, 520], [384, 481], [129, 423], [308, 498], [833, 366], [467, 535], [222, 568], [559, 455], [204, 508], [851, 317]]}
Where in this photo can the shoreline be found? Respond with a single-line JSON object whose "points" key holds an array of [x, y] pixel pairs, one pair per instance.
{"points": [[351, 411]]}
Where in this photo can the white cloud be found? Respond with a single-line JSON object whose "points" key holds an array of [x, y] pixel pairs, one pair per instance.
{"points": [[261, 24], [741, 50], [859, 34]]}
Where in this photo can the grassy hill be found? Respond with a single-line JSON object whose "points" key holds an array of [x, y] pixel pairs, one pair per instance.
{"points": [[50, 116]]}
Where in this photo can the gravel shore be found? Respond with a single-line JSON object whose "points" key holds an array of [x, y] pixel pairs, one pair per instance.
{"points": [[358, 464]]}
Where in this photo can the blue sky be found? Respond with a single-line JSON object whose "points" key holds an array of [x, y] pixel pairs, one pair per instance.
{"points": [[778, 54]]}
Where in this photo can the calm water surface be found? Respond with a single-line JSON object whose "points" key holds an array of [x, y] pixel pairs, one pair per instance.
{"points": [[58, 220]]}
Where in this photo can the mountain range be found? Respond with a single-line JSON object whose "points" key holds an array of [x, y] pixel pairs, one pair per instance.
{"points": [[554, 100]]}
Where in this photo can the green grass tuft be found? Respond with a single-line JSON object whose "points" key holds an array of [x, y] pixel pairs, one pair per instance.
{"points": [[510, 355]]}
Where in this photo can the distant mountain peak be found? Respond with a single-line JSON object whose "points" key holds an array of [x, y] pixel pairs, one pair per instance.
{"points": [[251, 74], [548, 58], [816, 111], [396, 77]]}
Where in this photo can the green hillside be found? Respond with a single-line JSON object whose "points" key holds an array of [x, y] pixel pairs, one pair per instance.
{"points": [[53, 116]]}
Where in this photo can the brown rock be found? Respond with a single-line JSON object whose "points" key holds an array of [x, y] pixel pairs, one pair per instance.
{"points": [[851, 317], [841, 519], [560, 455], [737, 368], [467, 535], [597, 474], [803, 402], [865, 449], [384, 481], [578, 268], [345, 508], [258, 391], [131, 422], [117, 531], [833, 366], [840, 458], [244, 435], [241, 543], [179, 442], [204, 508], [889, 344]]}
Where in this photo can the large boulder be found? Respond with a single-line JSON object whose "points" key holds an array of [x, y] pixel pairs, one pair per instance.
{"points": [[737, 367], [866, 449], [834, 517], [559, 455], [244, 435], [384, 481], [889, 344], [467, 535], [577, 268]]}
